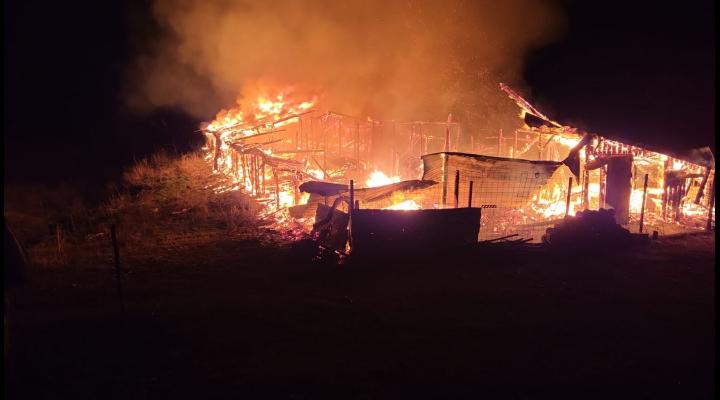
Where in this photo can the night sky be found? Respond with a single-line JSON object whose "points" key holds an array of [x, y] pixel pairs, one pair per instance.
{"points": [[645, 72]]}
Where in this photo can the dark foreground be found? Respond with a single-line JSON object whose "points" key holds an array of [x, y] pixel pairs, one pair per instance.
{"points": [[230, 318]]}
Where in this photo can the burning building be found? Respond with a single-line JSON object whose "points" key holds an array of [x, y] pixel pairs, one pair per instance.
{"points": [[300, 162]]}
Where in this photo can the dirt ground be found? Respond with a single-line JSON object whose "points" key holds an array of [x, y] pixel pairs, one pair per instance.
{"points": [[236, 316]]}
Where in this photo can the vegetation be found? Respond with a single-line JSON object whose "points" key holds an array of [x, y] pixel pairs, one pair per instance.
{"points": [[158, 198]]}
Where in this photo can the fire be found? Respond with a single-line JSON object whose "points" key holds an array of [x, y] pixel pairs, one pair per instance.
{"points": [[378, 178], [270, 144], [405, 205], [274, 110]]}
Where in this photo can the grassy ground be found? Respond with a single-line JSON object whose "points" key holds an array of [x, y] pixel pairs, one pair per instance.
{"points": [[230, 309], [208, 318]]}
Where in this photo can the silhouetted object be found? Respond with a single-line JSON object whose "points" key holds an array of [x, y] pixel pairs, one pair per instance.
{"points": [[642, 207], [591, 230], [118, 270], [618, 184], [15, 261], [15, 265]]}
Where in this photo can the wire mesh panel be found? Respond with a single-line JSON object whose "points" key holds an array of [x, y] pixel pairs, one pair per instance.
{"points": [[506, 189]]}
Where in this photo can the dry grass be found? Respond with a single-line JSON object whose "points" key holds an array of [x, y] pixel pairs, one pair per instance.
{"points": [[181, 193], [158, 198]]}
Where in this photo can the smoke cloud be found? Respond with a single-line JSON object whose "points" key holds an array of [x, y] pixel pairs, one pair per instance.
{"points": [[405, 60]]}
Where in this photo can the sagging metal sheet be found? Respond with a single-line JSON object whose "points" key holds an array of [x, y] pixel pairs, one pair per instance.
{"points": [[497, 181]]}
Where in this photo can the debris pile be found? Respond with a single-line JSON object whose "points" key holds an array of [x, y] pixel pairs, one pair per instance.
{"points": [[590, 229]]}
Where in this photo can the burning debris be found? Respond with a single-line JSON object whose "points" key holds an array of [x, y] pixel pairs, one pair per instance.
{"points": [[297, 161]]}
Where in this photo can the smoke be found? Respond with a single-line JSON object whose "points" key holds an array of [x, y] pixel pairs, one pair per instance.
{"points": [[380, 58]]}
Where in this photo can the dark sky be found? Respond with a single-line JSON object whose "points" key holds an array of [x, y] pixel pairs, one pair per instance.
{"points": [[640, 70], [644, 71]]}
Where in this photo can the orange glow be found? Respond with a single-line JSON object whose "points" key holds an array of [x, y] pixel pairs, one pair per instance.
{"points": [[378, 178], [405, 205]]}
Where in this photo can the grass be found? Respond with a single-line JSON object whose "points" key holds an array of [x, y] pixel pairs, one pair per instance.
{"points": [[157, 199]]}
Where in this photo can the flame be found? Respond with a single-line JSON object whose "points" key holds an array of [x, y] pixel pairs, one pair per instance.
{"points": [[405, 205], [378, 178], [272, 109]]}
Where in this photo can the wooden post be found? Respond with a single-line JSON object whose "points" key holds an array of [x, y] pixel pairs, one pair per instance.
{"points": [[244, 170], [601, 203], [567, 200], [412, 139], [116, 254], [357, 143], [262, 176], [339, 130], [457, 188], [500, 138], [446, 148], [352, 197], [300, 129], [642, 205], [459, 138], [296, 188], [711, 205], [539, 145], [58, 238], [444, 183], [257, 175], [277, 190], [253, 168], [324, 168], [395, 158], [470, 193], [665, 195], [515, 145], [351, 204], [218, 143], [586, 188], [312, 143], [703, 183]]}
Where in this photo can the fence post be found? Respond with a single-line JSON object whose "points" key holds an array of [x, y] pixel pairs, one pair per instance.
{"points": [[116, 253], [443, 193], [470, 195], [567, 201], [457, 188], [711, 206], [642, 205], [58, 238]]}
